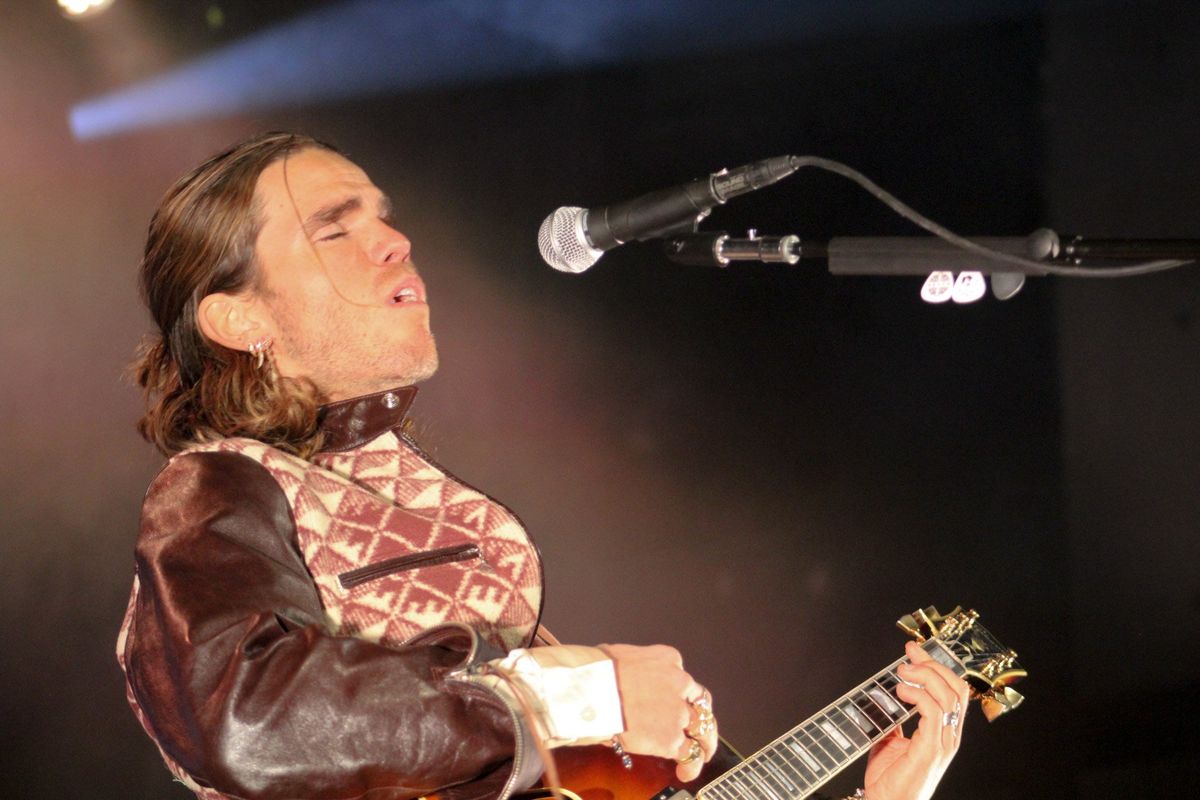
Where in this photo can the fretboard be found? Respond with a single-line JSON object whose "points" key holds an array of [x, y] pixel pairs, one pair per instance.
{"points": [[795, 764]]}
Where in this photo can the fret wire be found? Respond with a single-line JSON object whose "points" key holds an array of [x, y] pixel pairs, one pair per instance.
{"points": [[810, 750], [740, 783], [739, 780], [723, 785], [850, 710], [829, 742], [765, 779], [849, 728], [786, 786], [839, 739], [822, 753], [942, 653], [795, 765], [890, 704], [806, 760], [888, 680], [779, 762], [715, 790], [752, 776], [872, 710], [855, 725], [771, 770], [814, 749], [819, 757], [761, 782]]}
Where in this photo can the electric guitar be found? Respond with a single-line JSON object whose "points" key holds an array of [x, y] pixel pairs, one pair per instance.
{"points": [[797, 763]]}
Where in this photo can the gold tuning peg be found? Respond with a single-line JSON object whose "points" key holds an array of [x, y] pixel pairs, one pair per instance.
{"points": [[908, 623], [928, 622], [998, 701], [922, 624]]}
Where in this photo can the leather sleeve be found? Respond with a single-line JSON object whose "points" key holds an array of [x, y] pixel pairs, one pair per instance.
{"points": [[244, 687]]}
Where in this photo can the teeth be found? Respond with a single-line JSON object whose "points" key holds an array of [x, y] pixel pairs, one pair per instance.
{"points": [[405, 295]]}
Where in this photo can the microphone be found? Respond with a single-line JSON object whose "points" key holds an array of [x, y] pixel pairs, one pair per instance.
{"points": [[573, 239]]}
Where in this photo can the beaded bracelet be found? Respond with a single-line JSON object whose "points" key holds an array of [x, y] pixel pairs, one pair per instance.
{"points": [[619, 749]]}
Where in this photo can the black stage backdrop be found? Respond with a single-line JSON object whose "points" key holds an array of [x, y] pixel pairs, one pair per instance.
{"points": [[763, 466]]}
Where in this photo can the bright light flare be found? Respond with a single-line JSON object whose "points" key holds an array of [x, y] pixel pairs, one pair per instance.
{"points": [[83, 8]]}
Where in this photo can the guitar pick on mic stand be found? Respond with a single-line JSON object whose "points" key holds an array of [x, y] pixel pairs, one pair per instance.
{"points": [[1043, 252]]}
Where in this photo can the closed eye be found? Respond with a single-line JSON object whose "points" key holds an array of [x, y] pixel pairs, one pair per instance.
{"points": [[385, 211]]}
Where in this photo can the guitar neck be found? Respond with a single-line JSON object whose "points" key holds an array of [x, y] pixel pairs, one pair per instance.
{"points": [[797, 763]]}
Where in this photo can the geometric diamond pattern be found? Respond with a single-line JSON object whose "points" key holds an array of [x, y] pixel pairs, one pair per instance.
{"points": [[387, 500]]}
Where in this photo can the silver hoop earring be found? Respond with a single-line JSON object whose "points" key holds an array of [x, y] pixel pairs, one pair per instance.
{"points": [[259, 350]]}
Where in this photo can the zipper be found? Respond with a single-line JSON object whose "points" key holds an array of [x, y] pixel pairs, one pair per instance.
{"points": [[420, 451], [389, 566], [469, 676]]}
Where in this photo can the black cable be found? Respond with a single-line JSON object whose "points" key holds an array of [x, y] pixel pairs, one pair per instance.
{"points": [[894, 203]]}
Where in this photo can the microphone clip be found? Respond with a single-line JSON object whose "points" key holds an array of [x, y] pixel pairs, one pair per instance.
{"points": [[719, 249]]}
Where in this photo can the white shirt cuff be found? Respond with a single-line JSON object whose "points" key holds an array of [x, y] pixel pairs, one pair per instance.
{"points": [[572, 690]]}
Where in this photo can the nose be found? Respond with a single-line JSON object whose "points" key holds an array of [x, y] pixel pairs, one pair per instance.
{"points": [[390, 246]]}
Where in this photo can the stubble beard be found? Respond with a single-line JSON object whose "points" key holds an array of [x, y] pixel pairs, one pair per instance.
{"points": [[340, 371], [424, 363], [370, 372]]}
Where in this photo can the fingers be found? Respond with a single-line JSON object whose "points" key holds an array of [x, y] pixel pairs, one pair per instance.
{"points": [[667, 713], [702, 730], [690, 760], [900, 767], [940, 698]]}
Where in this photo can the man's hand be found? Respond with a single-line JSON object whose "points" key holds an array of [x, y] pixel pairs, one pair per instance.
{"points": [[659, 700], [909, 769]]}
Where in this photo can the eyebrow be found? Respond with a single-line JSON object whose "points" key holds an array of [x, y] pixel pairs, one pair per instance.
{"points": [[334, 211]]}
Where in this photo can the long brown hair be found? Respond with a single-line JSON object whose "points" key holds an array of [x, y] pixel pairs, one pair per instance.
{"points": [[201, 240]]}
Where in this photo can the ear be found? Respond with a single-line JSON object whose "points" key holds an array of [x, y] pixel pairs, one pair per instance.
{"points": [[235, 321]]}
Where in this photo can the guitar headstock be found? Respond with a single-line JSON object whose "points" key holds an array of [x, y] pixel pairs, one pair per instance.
{"points": [[990, 666]]}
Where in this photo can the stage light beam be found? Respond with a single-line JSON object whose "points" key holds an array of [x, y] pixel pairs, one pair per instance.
{"points": [[362, 47]]}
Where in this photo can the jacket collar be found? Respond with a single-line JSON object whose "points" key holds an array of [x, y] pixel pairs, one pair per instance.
{"points": [[348, 424]]}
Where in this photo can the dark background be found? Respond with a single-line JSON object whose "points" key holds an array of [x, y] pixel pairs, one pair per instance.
{"points": [[763, 466]]}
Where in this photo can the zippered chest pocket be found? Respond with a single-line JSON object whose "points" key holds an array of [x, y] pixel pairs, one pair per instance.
{"points": [[391, 566]]}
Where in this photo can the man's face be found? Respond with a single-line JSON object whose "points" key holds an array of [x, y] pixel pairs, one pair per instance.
{"points": [[347, 307]]}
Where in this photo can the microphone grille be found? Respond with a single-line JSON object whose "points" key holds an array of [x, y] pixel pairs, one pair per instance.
{"points": [[563, 243]]}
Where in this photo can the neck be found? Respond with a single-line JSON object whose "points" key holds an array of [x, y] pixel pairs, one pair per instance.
{"points": [[807, 756]]}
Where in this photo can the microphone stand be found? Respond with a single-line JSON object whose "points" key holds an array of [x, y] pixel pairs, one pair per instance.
{"points": [[912, 255]]}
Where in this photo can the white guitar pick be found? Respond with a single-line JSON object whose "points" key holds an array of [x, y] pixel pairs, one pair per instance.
{"points": [[969, 287], [938, 287]]}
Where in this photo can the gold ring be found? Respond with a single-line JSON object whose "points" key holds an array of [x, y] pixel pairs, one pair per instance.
{"points": [[705, 721], [693, 753]]}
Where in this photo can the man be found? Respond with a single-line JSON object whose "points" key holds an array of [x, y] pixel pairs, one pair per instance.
{"points": [[319, 609]]}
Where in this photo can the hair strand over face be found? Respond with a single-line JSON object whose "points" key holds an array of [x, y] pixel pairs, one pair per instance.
{"points": [[200, 242]]}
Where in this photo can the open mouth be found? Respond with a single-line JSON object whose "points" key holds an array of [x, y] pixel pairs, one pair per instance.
{"points": [[410, 292]]}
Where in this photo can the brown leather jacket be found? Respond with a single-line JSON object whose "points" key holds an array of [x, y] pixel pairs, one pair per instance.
{"points": [[306, 630]]}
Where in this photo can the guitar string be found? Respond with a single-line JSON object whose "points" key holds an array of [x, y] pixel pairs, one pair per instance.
{"points": [[713, 789], [885, 682]]}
